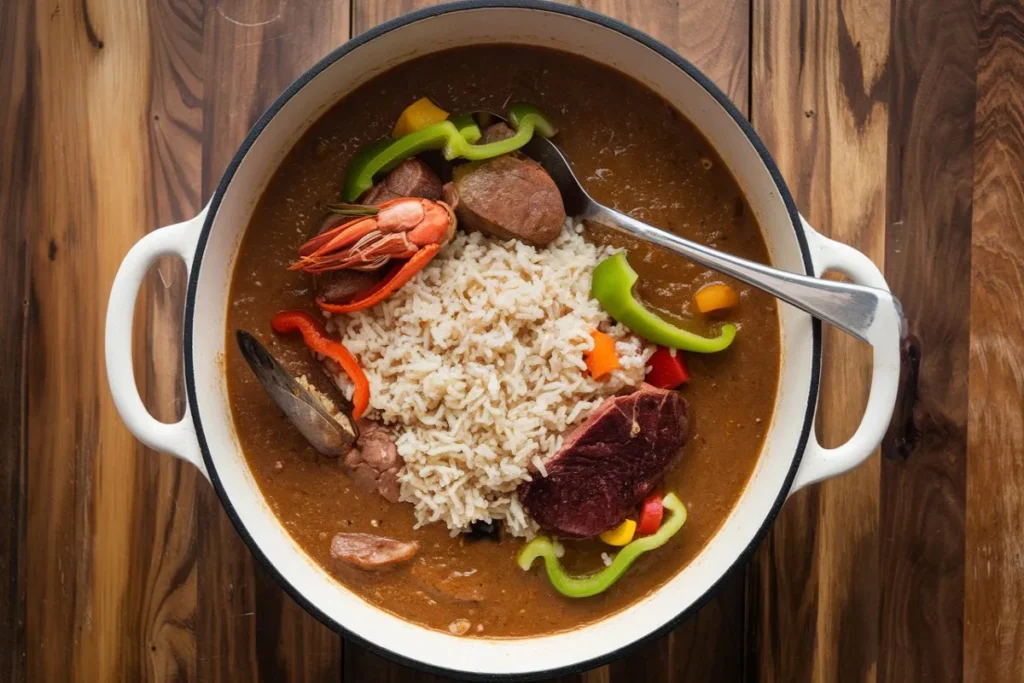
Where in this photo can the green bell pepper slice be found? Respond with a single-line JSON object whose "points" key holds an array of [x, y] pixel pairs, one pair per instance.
{"points": [[525, 120], [385, 155], [586, 586], [612, 286], [456, 137]]}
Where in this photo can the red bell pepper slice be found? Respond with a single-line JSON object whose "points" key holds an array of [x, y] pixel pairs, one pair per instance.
{"points": [[317, 339], [668, 370], [651, 513]]}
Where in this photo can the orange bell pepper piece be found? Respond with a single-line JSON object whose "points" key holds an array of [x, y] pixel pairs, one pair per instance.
{"points": [[316, 338], [602, 359]]}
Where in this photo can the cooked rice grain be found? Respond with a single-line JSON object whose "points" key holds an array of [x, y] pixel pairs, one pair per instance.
{"points": [[478, 365]]}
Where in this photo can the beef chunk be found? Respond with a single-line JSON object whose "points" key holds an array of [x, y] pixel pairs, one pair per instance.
{"points": [[368, 551], [509, 197], [609, 464], [411, 178], [374, 463]]}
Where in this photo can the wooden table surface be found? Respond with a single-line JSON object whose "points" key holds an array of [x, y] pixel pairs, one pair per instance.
{"points": [[898, 126]]}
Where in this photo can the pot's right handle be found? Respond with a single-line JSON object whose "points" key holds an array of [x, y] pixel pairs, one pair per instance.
{"points": [[884, 336], [178, 439]]}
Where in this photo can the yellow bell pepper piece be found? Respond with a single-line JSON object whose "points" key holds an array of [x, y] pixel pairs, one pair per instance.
{"points": [[716, 297], [418, 115], [620, 535]]}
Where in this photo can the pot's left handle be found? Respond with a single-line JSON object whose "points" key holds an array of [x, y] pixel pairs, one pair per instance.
{"points": [[178, 439]]}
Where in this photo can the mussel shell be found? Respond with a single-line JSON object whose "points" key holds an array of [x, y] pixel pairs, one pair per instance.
{"points": [[332, 437]]}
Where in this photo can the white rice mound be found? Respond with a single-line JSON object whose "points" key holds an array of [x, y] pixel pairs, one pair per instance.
{"points": [[477, 363]]}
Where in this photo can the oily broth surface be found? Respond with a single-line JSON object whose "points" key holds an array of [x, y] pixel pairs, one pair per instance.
{"points": [[633, 151]]}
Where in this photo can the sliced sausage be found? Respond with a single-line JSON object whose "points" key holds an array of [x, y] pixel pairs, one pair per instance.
{"points": [[368, 551], [411, 178], [450, 196], [509, 197]]}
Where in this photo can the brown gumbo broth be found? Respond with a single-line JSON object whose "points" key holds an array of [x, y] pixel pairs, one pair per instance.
{"points": [[632, 151]]}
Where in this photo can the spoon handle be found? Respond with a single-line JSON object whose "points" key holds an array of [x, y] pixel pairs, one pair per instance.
{"points": [[851, 308]]}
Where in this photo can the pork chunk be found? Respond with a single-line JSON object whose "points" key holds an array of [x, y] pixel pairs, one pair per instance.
{"points": [[368, 551], [374, 463]]}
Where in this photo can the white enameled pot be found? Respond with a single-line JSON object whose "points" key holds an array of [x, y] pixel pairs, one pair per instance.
{"points": [[209, 244]]}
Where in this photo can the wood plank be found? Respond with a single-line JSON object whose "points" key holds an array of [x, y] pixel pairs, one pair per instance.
{"points": [[166, 535], [368, 13], [994, 635], [107, 570], [929, 241], [247, 627], [708, 647], [820, 103], [714, 35], [53, 558], [19, 137]]}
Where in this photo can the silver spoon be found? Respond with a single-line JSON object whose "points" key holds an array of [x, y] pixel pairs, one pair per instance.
{"points": [[331, 437], [851, 308]]}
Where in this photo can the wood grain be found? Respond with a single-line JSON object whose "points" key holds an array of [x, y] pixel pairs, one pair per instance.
{"points": [[19, 137], [898, 126], [248, 628], [994, 634], [713, 34], [928, 265], [820, 101], [121, 567], [167, 572], [96, 557], [706, 648]]}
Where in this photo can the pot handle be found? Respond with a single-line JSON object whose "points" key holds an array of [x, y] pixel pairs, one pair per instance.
{"points": [[884, 335], [178, 439]]}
